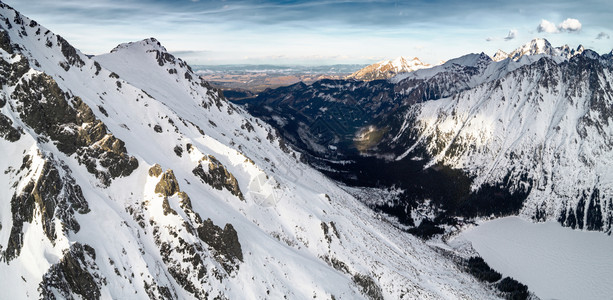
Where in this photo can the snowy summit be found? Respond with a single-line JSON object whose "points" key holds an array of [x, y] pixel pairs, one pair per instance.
{"points": [[386, 69]]}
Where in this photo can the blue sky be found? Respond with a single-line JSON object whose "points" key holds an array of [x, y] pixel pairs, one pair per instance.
{"points": [[321, 31]]}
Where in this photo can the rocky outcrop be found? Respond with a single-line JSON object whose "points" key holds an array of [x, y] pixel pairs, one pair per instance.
{"points": [[223, 241], [11, 72], [75, 274], [53, 193], [217, 176], [71, 124], [168, 184], [7, 131], [368, 287], [202, 244], [155, 170], [70, 53]]}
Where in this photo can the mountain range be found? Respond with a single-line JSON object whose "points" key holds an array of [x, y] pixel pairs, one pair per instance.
{"points": [[128, 176], [388, 69], [474, 137]]}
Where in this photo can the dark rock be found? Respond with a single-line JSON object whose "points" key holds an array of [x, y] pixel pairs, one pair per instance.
{"points": [[5, 42], [55, 195], [218, 177], [63, 123], [72, 275], [70, 53], [368, 286], [223, 241], [178, 151], [103, 111], [186, 203], [7, 131], [11, 72], [98, 67]]}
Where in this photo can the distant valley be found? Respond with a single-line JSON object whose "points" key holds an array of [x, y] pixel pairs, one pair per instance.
{"points": [[243, 81]]}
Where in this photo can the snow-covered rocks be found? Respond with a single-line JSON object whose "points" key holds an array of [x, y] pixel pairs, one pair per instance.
{"points": [[386, 69]]}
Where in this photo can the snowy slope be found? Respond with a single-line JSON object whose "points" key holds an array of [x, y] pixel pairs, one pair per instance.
{"points": [[129, 177], [543, 128]]}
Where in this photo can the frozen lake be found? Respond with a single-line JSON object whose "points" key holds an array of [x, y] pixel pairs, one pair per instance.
{"points": [[555, 262]]}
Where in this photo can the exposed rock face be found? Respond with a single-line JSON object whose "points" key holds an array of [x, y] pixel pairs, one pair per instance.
{"points": [[200, 243], [168, 184], [155, 171], [224, 241], [218, 176], [70, 53], [7, 131], [368, 287], [73, 275], [69, 122], [5, 42], [50, 191]]}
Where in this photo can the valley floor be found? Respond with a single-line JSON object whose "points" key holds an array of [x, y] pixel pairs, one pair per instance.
{"points": [[555, 262]]}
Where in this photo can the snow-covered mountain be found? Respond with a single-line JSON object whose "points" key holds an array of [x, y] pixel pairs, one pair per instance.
{"points": [[477, 137], [386, 69], [126, 176], [538, 46], [542, 130], [500, 55]]}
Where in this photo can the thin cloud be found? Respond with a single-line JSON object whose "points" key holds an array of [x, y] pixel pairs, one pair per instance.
{"points": [[603, 35], [512, 34], [189, 52]]}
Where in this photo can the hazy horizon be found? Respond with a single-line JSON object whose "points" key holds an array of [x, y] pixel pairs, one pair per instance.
{"points": [[323, 32]]}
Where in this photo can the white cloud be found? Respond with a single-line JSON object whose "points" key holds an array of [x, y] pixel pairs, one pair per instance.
{"points": [[570, 25], [512, 34], [603, 35], [547, 26]]}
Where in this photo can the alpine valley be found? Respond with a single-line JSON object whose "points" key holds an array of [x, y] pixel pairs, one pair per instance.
{"points": [[127, 176], [526, 133]]}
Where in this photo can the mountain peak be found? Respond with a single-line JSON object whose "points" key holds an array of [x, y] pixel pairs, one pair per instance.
{"points": [[500, 55], [542, 46], [534, 47], [386, 69], [150, 44]]}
